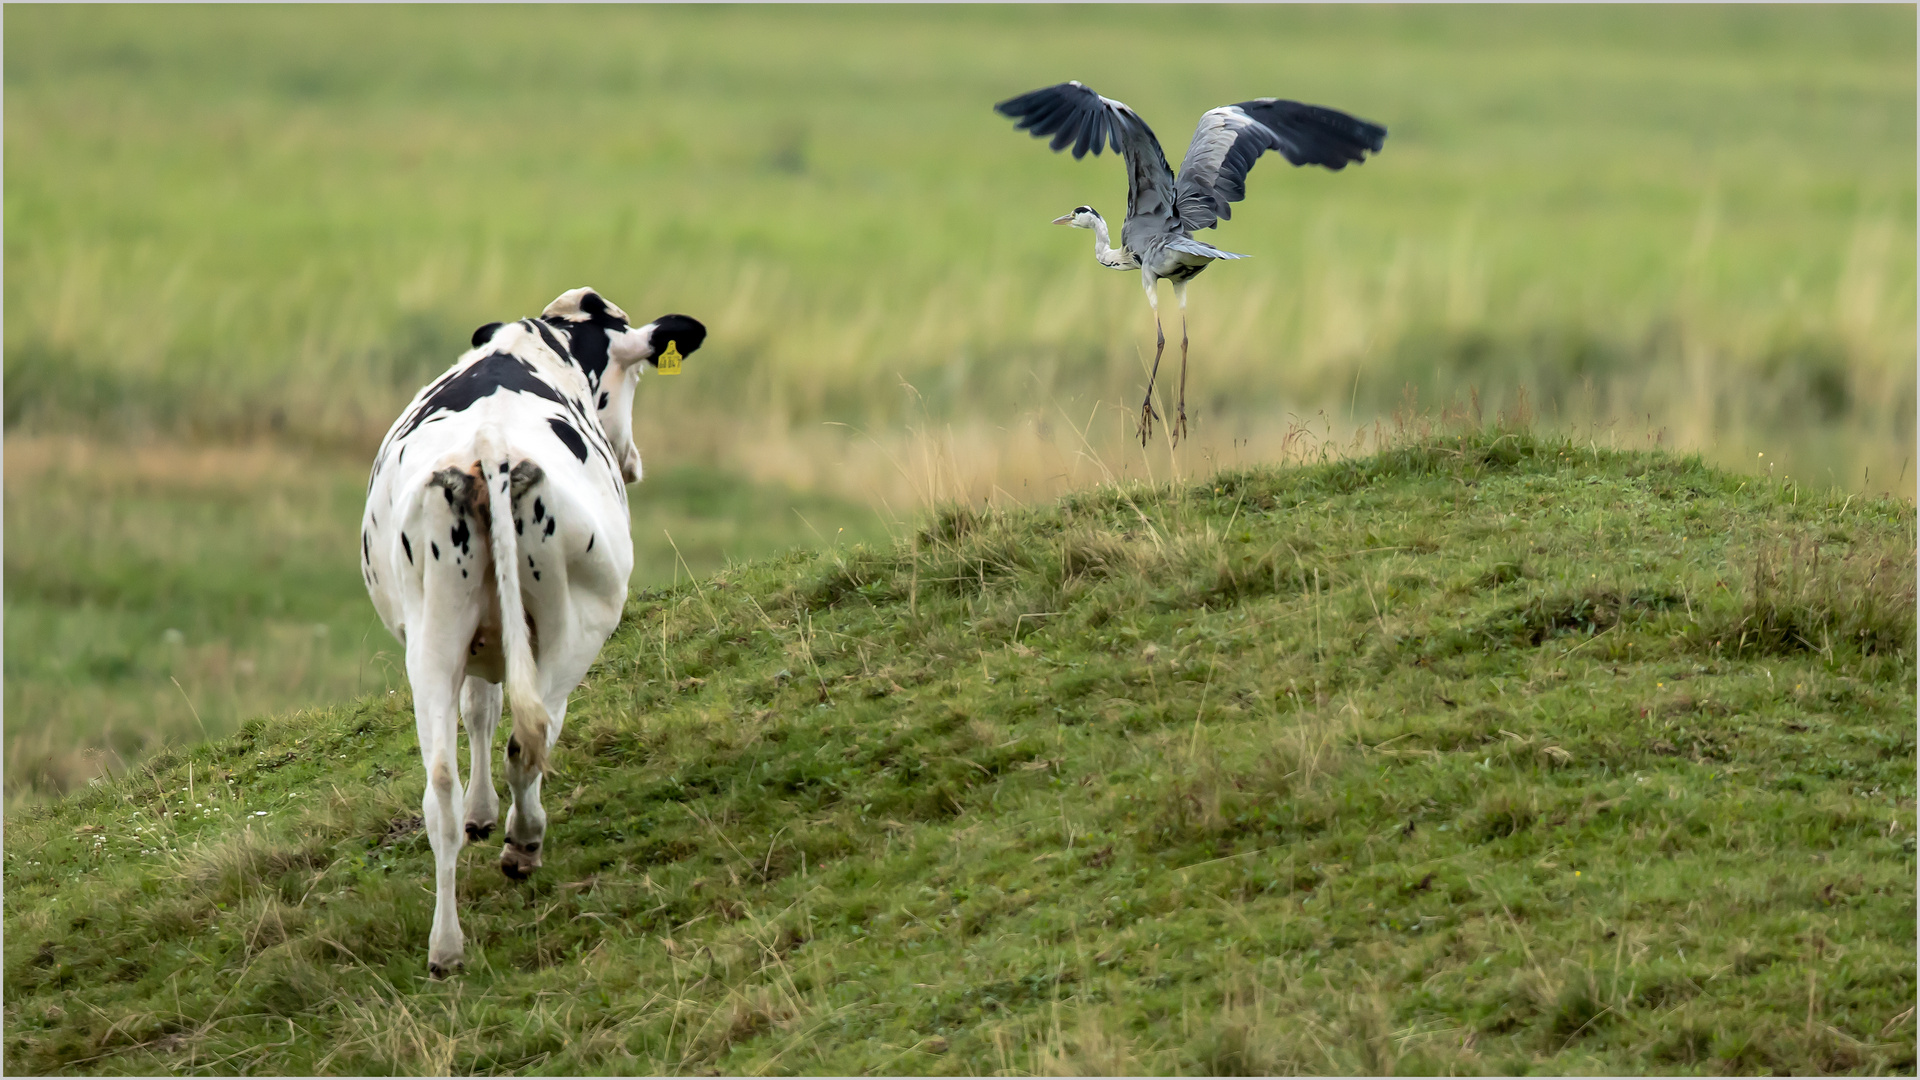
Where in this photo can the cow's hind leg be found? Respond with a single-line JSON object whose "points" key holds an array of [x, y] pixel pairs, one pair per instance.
{"points": [[480, 708], [436, 665], [434, 662]]}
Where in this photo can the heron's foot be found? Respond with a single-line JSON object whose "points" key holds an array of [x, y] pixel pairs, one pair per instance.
{"points": [[1147, 417], [1178, 429]]}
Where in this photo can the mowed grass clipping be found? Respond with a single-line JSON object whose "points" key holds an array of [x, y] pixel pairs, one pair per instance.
{"points": [[1486, 753]]}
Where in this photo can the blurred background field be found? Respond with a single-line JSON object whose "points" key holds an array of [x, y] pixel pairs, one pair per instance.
{"points": [[239, 238]]}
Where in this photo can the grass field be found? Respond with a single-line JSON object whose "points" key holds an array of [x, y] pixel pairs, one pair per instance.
{"points": [[167, 595], [1489, 753], [236, 240], [282, 220]]}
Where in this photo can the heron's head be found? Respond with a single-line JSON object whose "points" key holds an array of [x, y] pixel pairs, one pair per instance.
{"points": [[1082, 217]]}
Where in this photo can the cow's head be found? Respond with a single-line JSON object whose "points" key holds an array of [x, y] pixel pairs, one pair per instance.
{"points": [[609, 351]]}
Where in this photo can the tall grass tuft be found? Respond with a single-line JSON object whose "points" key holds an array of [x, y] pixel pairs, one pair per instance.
{"points": [[1801, 597]]}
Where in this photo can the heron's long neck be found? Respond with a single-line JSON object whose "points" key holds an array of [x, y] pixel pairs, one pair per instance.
{"points": [[1103, 250]]}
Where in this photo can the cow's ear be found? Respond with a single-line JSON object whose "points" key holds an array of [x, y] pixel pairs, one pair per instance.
{"points": [[485, 334], [683, 332]]}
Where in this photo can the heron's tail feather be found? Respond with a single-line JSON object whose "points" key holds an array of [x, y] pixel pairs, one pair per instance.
{"points": [[1194, 247]]}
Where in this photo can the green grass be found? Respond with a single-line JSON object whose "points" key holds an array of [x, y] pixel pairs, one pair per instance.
{"points": [[1489, 752], [237, 239], [169, 594], [264, 228]]}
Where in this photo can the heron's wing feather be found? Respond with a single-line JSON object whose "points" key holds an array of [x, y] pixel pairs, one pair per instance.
{"points": [[1074, 114], [1070, 112], [1225, 145], [1316, 135], [1231, 138]]}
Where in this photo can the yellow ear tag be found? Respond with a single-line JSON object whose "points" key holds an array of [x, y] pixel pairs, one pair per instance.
{"points": [[670, 360]]}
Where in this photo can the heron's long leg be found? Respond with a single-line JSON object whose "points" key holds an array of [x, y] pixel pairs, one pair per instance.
{"points": [[1179, 429], [1147, 415]]}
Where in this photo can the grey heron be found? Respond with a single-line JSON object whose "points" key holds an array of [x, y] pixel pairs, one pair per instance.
{"points": [[1163, 213]]}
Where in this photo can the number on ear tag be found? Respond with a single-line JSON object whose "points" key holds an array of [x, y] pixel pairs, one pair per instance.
{"points": [[670, 360]]}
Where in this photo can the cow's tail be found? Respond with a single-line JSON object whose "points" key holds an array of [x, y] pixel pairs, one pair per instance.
{"points": [[528, 744]]}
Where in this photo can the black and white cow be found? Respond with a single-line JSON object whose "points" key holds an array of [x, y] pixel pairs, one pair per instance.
{"points": [[496, 547]]}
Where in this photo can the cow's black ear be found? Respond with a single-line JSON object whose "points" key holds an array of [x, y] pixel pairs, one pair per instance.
{"points": [[485, 334], [685, 332]]}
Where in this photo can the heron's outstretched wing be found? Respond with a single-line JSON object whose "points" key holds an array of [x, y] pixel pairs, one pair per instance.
{"points": [[1074, 114], [1232, 137]]}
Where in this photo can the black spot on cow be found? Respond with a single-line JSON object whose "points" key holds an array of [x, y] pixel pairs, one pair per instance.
{"points": [[564, 431], [588, 345], [553, 342], [463, 573], [536, 575], [596, 308], [485, 334], [539, 510], [551, 522], [529, 562], [589, 541], [407, 546], [596, 437], [366, 547], [588, 338], [495, 371], [402, 458], [603, 399], [436, 550], [686, 333], [519, 526], [460, 534]]}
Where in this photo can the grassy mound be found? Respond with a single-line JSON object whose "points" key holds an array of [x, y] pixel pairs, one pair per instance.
{"points": [[1486, 753]]}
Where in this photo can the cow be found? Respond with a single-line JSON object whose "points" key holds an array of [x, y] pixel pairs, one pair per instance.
{"points": [[496, 547]]}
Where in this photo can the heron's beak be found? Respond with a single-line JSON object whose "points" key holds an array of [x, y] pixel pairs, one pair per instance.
{"points": [[1066, 219]]}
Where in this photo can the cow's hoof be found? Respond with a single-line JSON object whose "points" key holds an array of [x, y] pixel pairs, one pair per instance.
{"points": [[518, 862], [441, 969], [477, 832]]}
